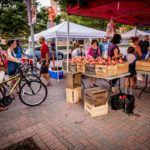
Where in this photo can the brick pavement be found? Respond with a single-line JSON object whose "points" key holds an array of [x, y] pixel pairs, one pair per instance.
{"points": [[59, 126]]}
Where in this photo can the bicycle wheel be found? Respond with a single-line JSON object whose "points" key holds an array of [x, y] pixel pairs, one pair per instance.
{"points": [[33, 70], [4, 100], [29, 77], [33, 93]]}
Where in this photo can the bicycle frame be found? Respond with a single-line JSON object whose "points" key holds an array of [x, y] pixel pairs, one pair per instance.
{"points": [[15, 85]]}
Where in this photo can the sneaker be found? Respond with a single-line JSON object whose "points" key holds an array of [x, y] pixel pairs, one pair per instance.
{"points": [[124, 92], [114, 90], [130, 92], [48, 84]]}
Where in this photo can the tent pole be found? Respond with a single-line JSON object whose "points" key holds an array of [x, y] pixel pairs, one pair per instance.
{"points": [[67, 43], [57, 59], [135, 30]]}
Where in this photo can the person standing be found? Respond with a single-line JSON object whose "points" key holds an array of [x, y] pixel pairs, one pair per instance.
{"points": [[18, 51], [45, 60], [12, 65], [138, 51], [72, 49], [105, 47], [93, 52], [100, 45], [77, 51], [131, 59], [138, 54], [144, 44], [114, 52], [53, 47]]}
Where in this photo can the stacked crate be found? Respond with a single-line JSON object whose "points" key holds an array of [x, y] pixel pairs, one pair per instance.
{"points": [[90, 69], [64, 65], [72, 66], [123, 68], [81, 68], [73, 87], [142, 66], [106, 71], [96, 101]]}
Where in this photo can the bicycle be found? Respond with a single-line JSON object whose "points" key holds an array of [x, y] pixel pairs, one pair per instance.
{"points": [[30, 69], [26, 92]]}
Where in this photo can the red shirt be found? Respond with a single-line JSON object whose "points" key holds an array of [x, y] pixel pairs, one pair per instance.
{"points": [[44, 50]]}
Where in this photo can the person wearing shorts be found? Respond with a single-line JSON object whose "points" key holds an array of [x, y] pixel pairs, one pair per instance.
{"points": [[45, 60], [131, 59], [2, 73]]}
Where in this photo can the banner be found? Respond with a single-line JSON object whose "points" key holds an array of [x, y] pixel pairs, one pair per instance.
{"points": [[31, 3]]}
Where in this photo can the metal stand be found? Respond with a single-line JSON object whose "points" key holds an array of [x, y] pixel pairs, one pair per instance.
{"points": [[143, 90]]}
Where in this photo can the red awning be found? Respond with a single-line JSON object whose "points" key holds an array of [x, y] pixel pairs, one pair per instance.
{"points": [[130, 12]]}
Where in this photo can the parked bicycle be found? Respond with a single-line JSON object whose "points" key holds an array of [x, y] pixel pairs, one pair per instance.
{"points": [[32, 91], [30, 69]]}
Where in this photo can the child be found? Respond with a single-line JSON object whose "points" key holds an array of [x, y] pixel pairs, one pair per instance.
{"points": [[131, 58]]}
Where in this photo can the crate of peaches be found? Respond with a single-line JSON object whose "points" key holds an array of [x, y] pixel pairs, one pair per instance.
{"points": [[143, 65], [108, 67], [104, 67]]}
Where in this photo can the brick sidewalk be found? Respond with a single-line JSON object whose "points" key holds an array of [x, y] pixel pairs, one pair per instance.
{"points": [[58, 125]]}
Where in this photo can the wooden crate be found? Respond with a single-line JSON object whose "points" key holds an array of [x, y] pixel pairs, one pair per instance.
{"points": [[81, 67], [142, 66], [96, 96], [73, 95], [72, 66], [123, 68], [96, 111], [90, 69], [73, 80], [64, 65], [106, 71]]}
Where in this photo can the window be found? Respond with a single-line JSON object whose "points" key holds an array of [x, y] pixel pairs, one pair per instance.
{"points": [[38, 49]]}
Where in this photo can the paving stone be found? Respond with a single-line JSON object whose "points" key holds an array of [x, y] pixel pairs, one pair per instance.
{"points": [[58, 125]]}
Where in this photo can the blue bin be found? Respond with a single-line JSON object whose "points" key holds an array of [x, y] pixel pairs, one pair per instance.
{"points": [[56, 74]]}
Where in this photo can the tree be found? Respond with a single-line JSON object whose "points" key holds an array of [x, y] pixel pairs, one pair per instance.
{"points": [[42, 19], [13, 19]]}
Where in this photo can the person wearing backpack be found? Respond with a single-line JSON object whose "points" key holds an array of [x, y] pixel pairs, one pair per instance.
{"points": [[18, 51]]}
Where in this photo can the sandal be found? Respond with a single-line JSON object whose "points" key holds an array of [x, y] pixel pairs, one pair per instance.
{"points": [[91, 86], [114, 90], [3, 108], [95, 85]]}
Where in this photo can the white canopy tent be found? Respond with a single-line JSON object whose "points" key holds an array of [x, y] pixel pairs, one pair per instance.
{"points": [[134, 32], [76, 31], [68, 31]]}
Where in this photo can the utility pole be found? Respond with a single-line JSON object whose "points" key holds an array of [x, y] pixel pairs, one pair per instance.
{"points": [[32, 32]]}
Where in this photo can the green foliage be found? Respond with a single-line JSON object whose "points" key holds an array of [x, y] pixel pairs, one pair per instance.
{"points": [[65, 3], [42, 19], [13, 19], [58, 19]]}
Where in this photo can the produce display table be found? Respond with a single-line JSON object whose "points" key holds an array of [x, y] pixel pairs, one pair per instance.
{"points": [[108, 80], [146, 83]]}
